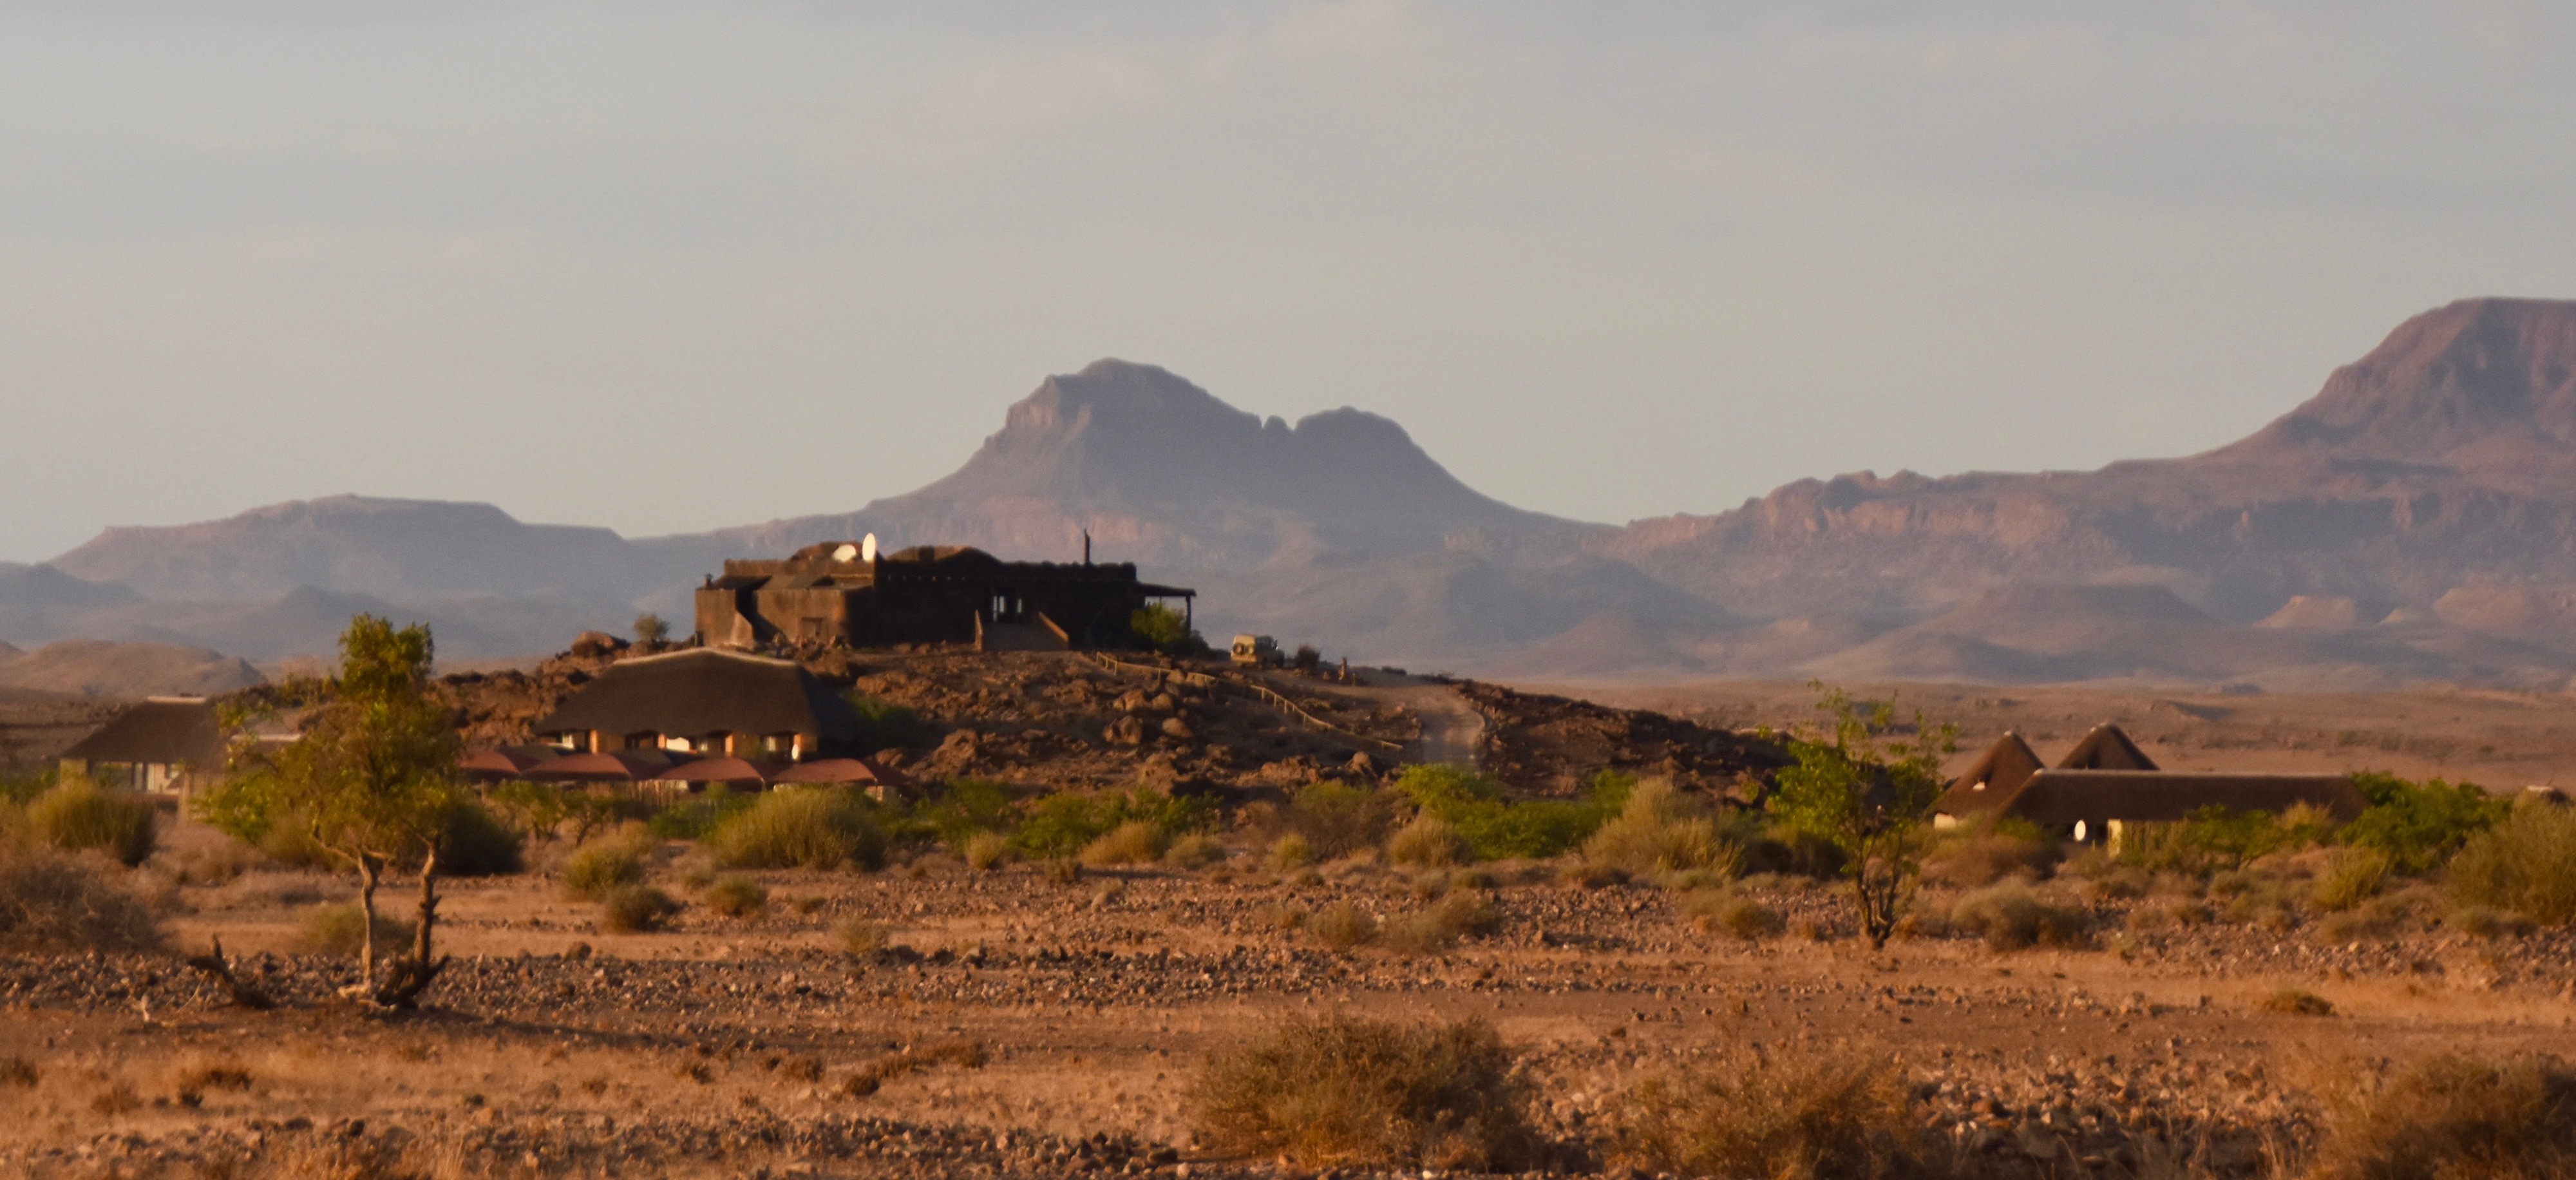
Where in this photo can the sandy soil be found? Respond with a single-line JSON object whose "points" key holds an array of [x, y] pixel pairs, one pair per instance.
{"points": [[723, 1046]]}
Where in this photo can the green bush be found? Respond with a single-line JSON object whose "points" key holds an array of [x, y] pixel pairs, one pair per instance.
{"points": [[51, 902], [2420, 825], [1497, 829], [963, 810], [885, 725], [2217, 838], [77, 814], [1160, 628], [1061, 825], [692, 819], [2525, 865], [608, 863], [801, 828], [1789, 1116], [1344, 1092], [736, 896], [478, 845], [1663, 831], [635, 909]]}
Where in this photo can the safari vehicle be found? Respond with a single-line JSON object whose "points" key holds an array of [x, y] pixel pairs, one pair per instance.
{"points": [[1256, 651]]}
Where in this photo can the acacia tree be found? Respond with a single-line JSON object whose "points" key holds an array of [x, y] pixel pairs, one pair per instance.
{"points": [[373, 780], [1867, 789]]}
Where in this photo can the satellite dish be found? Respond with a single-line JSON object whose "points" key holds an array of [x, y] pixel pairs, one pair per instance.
{"points": [[846, 553], [868, 547]]}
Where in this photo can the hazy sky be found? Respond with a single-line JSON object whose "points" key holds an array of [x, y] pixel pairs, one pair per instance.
{"points": [[666, 267]]}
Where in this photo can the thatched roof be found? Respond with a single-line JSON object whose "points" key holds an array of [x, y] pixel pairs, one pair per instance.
{"points": [[2106, 748], [162, 730], [1992, 778], [704, 691], [2058, 798]]}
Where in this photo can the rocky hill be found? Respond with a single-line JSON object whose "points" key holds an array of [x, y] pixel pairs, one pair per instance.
{"points": [[2414, 520], [90, 667]]}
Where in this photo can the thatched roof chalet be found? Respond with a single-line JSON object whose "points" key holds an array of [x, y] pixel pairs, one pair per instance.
{"points": [[160, 744], [707, 700], [2106, 781]]}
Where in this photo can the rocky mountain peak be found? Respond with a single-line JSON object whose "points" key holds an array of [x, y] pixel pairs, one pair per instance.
{"points": [[2479, 382]]}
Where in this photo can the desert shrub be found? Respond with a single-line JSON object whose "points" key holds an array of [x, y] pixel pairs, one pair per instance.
{"points": [[985, 851], [1343, 926], [2420, 825], [1660, 831], [1192, 851], [291, 843], [78, 815], [1989, 854], [1495, 828], [2479, 921], [340, 928], [2354, 875], [2526, 865], [801, 828], [1734, 913], [736, 896], [1336, 820], [1459, 914], [1062, 825], [2456, 1118], [885, 725], [51, 901], [1341, 1091], [1797, 1117], [861, 937], [477, 844], [633, 909], [963, 1053], [608, 863], [2013, 917], [1133, 842], [2217, 838], [1292, 851], [1787, 851], [2291, 1001], [1428, 841], [963, 810]]}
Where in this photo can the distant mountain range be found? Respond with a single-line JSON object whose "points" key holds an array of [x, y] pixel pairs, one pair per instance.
{"points": [[2415, 520]]}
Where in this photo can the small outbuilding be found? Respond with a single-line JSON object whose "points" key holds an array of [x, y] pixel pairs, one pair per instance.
{"points": [[167, 745], [706, 701], [2106, 783]]}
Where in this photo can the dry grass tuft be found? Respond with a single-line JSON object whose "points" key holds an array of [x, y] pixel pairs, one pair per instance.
{"points": [[1135, 842], [2457, 1118], [118, 1098], [1983, 858], [736, 896], [1341, 1091], [1743, 917], [607, 864], [78, 815], [2291, 1001], [637, 909], [861, 937], [1801, 1118], [1662, 831], [965, 1054], [985, 851], [1461, 914], [1193, 851], [1428, 842], [2012, 917], [52, 902], [2353, 876], [340, 929], [2526, 865], [1343, 926], [801, 828], [1292, 851]]}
